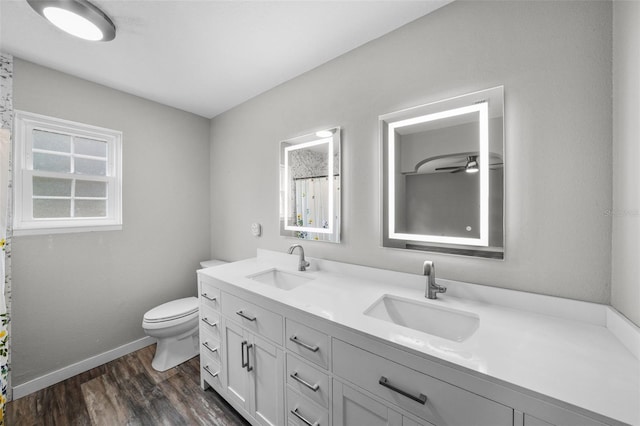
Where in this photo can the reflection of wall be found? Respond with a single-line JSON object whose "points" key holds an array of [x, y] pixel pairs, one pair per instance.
{"points": [[446, 203], [558, 239]]}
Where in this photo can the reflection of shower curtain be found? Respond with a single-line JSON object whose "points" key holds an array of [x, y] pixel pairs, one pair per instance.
{"points": [[5, 150], [312, 207]]}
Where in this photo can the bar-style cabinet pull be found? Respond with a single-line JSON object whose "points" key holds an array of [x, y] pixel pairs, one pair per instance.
{"points": [[209, 323], [298, 415], [422, 399], [312, 348], [246, 316], [297, 378], [206, 345], [206, 367], [206, 296]]}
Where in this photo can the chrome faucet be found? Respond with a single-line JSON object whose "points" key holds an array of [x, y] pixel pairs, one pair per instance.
{"points": [[432, 290], [302, 264]]}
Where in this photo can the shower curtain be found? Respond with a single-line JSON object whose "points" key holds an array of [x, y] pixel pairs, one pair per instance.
{"points": [[312, 208], [5, 151]]}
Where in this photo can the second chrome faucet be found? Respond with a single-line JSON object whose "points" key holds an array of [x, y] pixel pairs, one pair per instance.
{"points": [[302, 263], [432, 289]]}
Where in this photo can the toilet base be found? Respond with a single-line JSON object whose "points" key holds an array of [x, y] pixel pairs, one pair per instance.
{"points": [[172, 351]]}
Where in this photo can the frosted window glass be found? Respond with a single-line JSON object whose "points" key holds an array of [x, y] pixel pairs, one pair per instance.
{"points": [[51, 187], [51, 141], [90, 167], [86, 188], [90, 208], [90, 147], [51, 208], [51, 162]]}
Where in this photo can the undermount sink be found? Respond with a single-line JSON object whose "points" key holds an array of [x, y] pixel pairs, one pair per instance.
{"points": [[447, 323], [280, 279]]}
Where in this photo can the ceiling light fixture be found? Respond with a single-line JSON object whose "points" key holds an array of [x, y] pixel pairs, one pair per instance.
{"points": [[472, 165], [76, 17]]}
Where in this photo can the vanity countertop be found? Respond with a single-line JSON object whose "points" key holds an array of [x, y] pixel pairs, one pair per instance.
{"points": [[559, 348]]}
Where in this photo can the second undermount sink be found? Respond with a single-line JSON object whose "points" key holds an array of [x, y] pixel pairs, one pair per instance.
{"points": [[280, 279], [451, 324]]}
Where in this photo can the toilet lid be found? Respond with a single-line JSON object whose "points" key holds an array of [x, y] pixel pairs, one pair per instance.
{"points": [[171, 310]]}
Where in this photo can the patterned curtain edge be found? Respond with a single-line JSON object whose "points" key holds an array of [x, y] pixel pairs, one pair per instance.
{"points": [[6, 123]]}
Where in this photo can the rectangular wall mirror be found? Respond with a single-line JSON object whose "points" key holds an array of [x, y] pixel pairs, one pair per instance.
{"points": [[310, 186], [443, 176]]}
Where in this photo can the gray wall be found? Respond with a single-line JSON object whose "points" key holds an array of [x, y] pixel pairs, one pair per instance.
{"points": [[554, 59], [625, 281], [78, 295]]}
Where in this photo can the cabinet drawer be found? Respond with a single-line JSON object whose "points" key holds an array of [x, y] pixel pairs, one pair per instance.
{"points": [[253, 317], [445, 404], [302, 412], [308, 343], [308, 380], [210, 345], [210, 322], [211, 371], [209, 295]]}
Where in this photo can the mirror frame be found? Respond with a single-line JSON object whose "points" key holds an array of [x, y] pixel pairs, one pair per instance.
{"points": [[447, 108], [331, 137]]}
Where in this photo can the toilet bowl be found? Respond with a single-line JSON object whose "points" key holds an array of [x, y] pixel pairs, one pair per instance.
{"points": [[175, 326]]}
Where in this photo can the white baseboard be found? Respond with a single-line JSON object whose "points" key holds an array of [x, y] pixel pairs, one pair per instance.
{"points": [[79, 367]]}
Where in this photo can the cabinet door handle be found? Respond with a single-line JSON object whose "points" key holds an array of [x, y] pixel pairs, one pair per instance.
{"points": [[297, 341], [242, 345], [249, 367], [206, 345], [206, 296], [297, 378], [298, 415], [206, 367], [246, 316], [209, 323], [422, 399]]}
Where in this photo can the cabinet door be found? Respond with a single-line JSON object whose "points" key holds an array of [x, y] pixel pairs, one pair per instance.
{"points": [[352, 408], [236, 379], [266, 378]]}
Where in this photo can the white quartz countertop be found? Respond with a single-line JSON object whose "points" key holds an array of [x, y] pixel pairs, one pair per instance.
{"points": [[556, 347]]}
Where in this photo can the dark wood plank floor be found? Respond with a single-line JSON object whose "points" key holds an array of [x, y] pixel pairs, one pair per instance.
{"points": [[126, 391]]}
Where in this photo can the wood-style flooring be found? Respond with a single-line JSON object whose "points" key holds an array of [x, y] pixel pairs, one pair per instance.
{"points": [[126, 391]]}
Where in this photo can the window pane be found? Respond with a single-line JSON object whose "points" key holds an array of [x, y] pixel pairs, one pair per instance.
{"points": [[90, 208], [51, 208], [90, 147], [51, 162], [90, 167], [86, 188], [51, 187], [51, 141]]}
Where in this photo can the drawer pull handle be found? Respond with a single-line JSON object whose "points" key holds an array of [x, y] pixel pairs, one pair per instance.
{"points": [[245, 316], [206, 345], [206, 367], [209, 323], [297, 378], [206, 296], [307, 422], [313, 348], [422, 399]]}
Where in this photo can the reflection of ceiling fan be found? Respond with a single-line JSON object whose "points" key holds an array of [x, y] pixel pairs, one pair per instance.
{"points": [[471, 166]]}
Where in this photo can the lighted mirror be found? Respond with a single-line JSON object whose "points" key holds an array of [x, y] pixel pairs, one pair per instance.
{"points": [[310, 186], [443, 176]]}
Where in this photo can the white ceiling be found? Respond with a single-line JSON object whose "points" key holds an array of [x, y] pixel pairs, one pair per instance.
{"points": [[205, 57]]}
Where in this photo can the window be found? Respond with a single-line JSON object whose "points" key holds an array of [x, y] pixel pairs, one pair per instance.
{"points": [[68, 176]]}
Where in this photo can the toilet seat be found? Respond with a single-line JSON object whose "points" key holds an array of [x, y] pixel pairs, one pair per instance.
{"points": [[173, 310]]}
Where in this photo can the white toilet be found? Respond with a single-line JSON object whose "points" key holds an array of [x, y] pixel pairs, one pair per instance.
{"points": [[175, 326]]}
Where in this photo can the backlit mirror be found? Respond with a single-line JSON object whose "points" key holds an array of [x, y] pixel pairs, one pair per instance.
{"points": [[443, 176], [310, 186]]}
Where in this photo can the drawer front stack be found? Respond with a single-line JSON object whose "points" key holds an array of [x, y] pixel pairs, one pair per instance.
{"points": [[210, 338]]}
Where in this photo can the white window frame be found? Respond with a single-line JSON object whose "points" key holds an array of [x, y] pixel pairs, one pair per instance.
{"points": [[23, 221]]}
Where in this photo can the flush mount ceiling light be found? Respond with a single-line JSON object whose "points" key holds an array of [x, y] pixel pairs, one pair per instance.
{"points": [[76, 17]]}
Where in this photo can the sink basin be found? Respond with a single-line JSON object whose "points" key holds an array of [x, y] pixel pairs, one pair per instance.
{"points": [[447, 323], [280, 279]]}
